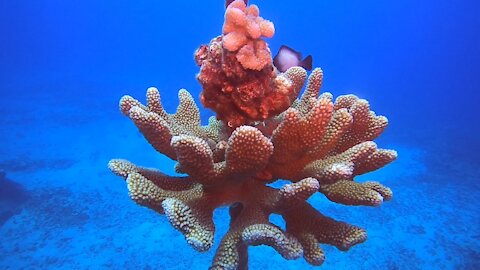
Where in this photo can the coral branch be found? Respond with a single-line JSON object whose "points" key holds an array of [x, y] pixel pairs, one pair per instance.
{"points": [[353, 193], [248, 151], [305, 222], [195, 223]]}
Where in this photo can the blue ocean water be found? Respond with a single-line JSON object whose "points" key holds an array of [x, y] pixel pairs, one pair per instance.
{"points": [[65, 64]]}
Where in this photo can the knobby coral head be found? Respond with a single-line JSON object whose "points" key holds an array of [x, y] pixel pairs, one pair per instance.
{"points": [[263, 132]]}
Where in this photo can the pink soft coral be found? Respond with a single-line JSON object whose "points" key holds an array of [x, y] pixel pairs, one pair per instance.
{"points": [[243, 29]]}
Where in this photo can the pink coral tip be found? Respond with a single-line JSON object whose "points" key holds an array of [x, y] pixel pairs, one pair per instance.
{"points": [[234, 41], [253, 29], [267, 28], [253, 10], [235, 16], [254, 56]]}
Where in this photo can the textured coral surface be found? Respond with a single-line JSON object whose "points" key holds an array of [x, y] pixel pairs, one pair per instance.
{"points": [[243, 29], [262, 133]]}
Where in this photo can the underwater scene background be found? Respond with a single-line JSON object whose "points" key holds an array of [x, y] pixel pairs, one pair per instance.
{"points": [[65, 64]]}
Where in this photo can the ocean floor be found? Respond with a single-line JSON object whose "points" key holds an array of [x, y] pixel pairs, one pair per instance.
{"points": [[61, 208]]}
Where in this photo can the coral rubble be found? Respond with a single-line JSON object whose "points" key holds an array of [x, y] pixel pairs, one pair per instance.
{"points": [[262, 133]]}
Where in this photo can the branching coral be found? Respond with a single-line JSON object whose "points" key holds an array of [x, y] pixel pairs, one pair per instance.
{"points": [[318, 144]]}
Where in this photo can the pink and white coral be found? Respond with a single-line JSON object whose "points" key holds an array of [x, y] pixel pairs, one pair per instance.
{"points": [[242, 30]]}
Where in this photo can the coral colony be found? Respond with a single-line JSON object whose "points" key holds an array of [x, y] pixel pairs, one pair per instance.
{"points": [[262, 133]]}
